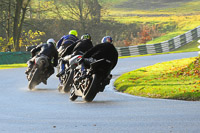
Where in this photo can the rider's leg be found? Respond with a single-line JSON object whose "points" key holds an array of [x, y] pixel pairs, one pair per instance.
{"points": [[30, 64], [62, 69]]}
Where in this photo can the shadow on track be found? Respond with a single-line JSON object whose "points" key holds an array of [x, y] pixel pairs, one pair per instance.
{"points": [[43, 89], [93, 102]]}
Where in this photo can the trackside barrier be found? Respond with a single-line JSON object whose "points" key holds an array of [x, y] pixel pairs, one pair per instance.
{"points": [[14, 57], [165, 46]]}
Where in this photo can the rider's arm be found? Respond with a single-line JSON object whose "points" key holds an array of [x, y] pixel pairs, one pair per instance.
{"points": [[34, 50], [91, 51], [69, 49], [55, 59], [58, 44]]}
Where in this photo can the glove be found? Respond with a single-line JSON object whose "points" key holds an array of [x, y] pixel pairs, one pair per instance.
{"points": [[32, 55], [55, 63]]}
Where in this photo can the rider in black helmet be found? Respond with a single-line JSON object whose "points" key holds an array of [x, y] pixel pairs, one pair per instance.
{"points": [[80, 47]]}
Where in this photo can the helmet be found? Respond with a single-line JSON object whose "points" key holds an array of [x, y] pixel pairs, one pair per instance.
{"points": [[73, 32], [106, 39], [86, 36], [51, 40]]}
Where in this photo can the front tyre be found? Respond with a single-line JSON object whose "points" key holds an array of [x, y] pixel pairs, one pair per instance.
{"points": [[68, 81], [72, 97], [91, 89]]}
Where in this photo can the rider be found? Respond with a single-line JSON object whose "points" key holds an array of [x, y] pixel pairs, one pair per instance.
{"points": [[104, 50], [66, 40], [48, 50], [80, 47]]}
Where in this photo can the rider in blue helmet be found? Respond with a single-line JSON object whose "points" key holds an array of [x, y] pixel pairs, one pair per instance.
{"points": [[106, 39], [104, 50]]}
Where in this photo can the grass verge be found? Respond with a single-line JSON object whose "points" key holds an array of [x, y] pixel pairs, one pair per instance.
{"points": [[178, 79], [10, 66]]}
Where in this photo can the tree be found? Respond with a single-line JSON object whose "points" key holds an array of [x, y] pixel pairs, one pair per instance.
{"points": [[6, 22], [6, 18], [96, 11], [83, 11], [20, 11]]}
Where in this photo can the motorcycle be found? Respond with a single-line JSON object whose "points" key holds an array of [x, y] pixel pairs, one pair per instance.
{"points": [[97, 76], [67, 77], [38, 72]]}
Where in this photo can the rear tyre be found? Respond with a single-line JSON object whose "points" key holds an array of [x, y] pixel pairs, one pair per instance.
{"points": [[92, 88], [33, 81]]}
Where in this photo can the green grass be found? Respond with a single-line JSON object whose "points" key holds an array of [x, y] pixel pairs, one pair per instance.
{"points": [[166, 37], [184, 6], [190, 47], [162, 81], [10, 66], [186, 16]]}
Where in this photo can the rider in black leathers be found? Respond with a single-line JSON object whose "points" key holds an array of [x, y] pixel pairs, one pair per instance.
{"points": [[80, 47], [47, 49], [105, 50]]}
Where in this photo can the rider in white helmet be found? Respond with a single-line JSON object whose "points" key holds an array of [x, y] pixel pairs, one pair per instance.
{"points": [[47, 49]]}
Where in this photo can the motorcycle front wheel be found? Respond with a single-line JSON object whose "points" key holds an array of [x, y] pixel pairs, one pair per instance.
{"points": [[68, 81], [72, 96]]}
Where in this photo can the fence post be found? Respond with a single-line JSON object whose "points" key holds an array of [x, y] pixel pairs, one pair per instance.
{"points": [[199, 46]]}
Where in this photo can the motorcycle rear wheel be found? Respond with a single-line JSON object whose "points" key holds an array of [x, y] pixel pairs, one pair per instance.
{"points": [[92, 89], [33, 82]]}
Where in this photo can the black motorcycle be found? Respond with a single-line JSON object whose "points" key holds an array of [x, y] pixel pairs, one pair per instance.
{"points": [[38, 72], [66, 78], [97, 76]]}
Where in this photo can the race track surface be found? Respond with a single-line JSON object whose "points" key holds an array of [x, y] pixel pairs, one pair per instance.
{"points": [[45, 110]]}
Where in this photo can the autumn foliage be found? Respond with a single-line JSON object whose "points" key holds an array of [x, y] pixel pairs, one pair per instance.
{"points": [[192, 69], [146, 33]]}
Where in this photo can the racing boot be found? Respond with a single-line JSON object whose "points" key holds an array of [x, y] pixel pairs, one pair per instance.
{"points": [[44, 81], [60, 73]]}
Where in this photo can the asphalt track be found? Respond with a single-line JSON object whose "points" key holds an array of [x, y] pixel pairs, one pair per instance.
{"points": [[45, 110]]}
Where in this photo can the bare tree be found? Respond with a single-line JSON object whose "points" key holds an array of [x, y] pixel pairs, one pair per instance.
{"points": [[6, 21], [20, 11], [6, 18], [96, 11], [83, 11], [9, 19]]}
